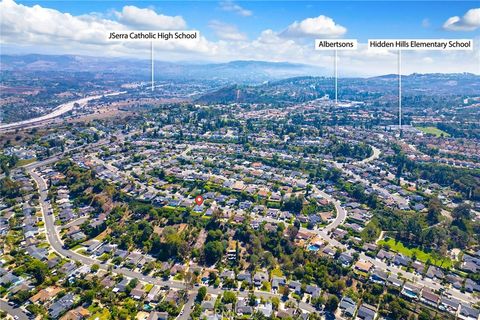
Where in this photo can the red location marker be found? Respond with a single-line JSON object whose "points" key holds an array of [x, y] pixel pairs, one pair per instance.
{"points": [[199, 200]]}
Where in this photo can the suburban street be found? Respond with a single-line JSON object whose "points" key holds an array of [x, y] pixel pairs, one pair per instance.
{"points": [[340, 217], [54, 240]]}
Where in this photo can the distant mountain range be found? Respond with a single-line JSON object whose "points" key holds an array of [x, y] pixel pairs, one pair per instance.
{"points": [[239, 71], [301, 89], [251, 81]]}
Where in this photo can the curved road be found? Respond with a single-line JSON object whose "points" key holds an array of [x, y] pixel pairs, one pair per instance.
{"points": [[402, 202], [57, 245], [55, 242], [341, 214], [374, 156]]}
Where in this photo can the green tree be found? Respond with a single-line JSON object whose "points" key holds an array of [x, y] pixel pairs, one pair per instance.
{"points": [[201, 294], [229, 297], [461, 212], [38, 270], [332, 303], [213, 252], [94, 268], [434, 210]]}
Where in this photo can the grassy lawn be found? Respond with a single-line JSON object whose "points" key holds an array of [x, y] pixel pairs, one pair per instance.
{"points": [[101, 315], [276, 272], [433, 130], [52, 255], [421, 255], [102, 235], [104, 257], [178, 276], [196, 214], [266, 286], [148, 287], [24, 162], [78, 246]]}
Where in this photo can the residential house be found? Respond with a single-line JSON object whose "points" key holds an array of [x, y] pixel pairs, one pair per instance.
{"points": [[138, 292], [366, 312], [244, 276], [385, 255], [265, 309], [411, 291], [449, 304], [401, 260], [243, 308], [468, 313], [121, 286], [430, 298], [347, 307], [296, 286], [379, 276], [78, 313], [278, 282], [61, 305], [394, 281], [363, 266], [45, 295], [259, 278], [313, 290]]}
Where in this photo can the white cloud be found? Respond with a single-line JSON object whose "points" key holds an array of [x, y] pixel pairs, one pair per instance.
{"points": [[321, 26], [231, 6], [469, 22], [226, 31], [57, 32], [427, 60], [147, 18], [426, 23], [35, 29], [26, 25]]}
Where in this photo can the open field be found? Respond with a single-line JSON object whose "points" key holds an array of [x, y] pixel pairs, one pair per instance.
{"points": [[420, 255], [433, 130], [24, 162]]}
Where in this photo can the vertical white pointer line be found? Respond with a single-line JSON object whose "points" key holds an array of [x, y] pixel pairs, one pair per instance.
{"points": [[152, 67], [400, 89], [336, 78]]}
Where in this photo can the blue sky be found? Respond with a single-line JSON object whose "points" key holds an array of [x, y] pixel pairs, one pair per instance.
{"points": [[364, 19], [247, 30]]}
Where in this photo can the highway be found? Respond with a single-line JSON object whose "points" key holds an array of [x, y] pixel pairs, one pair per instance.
{"points": [[58, 111]]}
